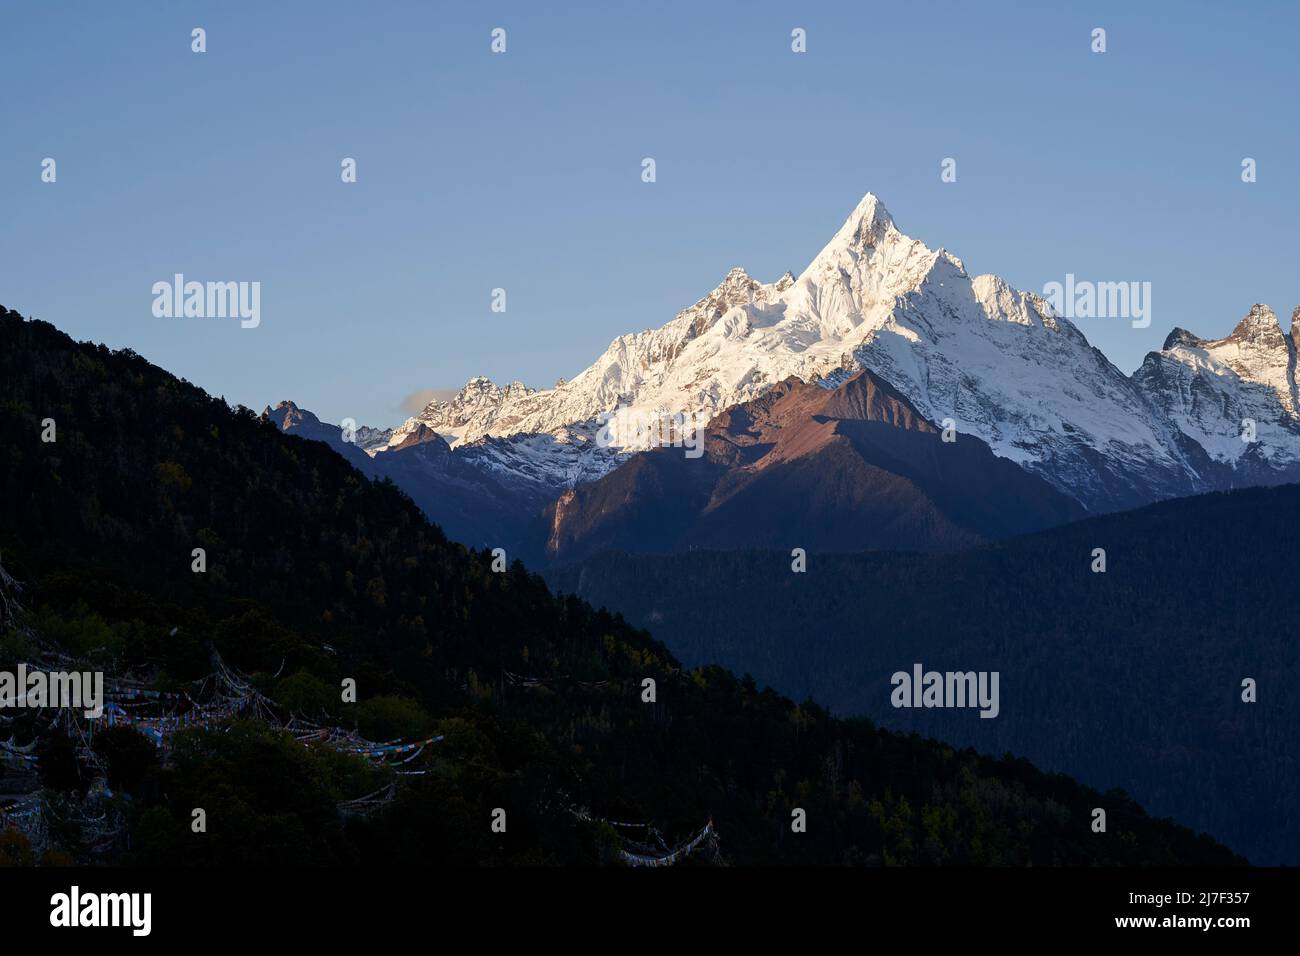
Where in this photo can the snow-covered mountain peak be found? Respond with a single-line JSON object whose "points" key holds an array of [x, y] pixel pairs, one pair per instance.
{"points": [[737, 288], [418, 434], [996, 360], [1256, 349], [1214, 389], [1260, 325], [866, 225], [479, 401], [990, 356], [867, 231], [1181, 337]]}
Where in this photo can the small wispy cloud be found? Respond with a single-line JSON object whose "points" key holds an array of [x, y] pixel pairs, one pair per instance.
{"points": [[416, 401]]}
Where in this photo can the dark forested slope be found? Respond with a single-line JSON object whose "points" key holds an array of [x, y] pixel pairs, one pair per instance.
{"points": [[315, 574], [1131, 676]]}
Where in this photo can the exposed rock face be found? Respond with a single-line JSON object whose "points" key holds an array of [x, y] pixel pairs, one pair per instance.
{"points": [[850, 469]]}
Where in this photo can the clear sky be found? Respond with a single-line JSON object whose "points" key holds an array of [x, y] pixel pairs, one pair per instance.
{"points": [[523, 170]]}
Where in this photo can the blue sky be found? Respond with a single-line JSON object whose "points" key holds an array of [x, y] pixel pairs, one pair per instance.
{"points": [[522, 170]]}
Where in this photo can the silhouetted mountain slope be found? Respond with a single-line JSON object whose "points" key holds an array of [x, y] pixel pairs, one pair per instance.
{"points": [[1133, 675], [472, 503], [846, 469], [316, 574]]}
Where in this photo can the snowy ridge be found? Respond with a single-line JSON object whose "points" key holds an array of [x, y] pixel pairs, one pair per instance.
{"points": [[996, 360], [1208, 388]]}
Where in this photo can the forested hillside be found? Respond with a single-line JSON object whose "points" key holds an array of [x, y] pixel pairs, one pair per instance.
{"points": [[533, 703], [1130, 676]]}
